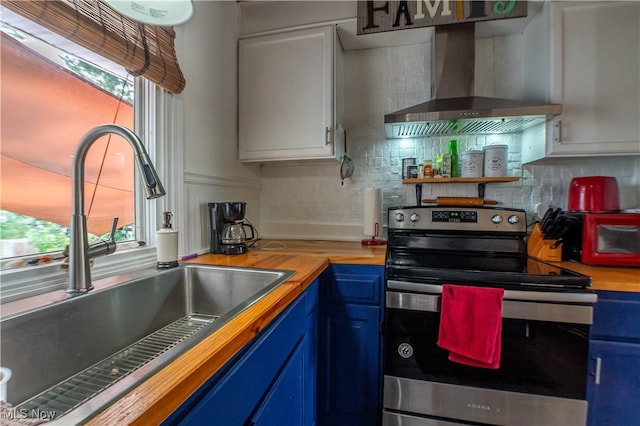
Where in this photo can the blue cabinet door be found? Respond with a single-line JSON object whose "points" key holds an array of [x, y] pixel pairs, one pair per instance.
{"points": [[288, 402], [615, 400], [349, 359], [350, 363], [277, 372]]}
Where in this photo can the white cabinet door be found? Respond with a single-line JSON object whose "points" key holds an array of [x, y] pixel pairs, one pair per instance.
{"points": [[286, 95], [595, 60]]}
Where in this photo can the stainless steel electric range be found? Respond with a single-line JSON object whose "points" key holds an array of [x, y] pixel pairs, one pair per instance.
{"points": [[546, 315]]}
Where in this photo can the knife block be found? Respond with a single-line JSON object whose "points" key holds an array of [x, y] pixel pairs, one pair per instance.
{"points": [[541, 248]]}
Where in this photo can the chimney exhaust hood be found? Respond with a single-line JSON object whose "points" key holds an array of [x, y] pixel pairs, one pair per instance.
{"points": [[454, 109]]}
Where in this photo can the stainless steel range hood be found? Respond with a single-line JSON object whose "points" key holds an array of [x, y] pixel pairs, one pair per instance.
{"points": [[454, 109]]}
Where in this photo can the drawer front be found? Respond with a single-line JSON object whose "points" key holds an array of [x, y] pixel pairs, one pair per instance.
{"points": [[617, 317], [354, 285]]}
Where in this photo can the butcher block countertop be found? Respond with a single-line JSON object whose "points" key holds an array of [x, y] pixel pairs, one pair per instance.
{"points": [[155, 399], [349, 252], [608, 278]]}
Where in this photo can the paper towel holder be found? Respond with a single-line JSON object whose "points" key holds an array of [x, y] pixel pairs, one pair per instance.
{"points": [[372, 217], [374, 241]]}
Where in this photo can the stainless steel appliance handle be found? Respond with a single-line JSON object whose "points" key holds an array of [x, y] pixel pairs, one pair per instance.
{"points": [[515, 309], [586, 297]]}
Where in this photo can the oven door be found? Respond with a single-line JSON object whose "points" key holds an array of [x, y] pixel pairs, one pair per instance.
{"points": [[542, 375]]}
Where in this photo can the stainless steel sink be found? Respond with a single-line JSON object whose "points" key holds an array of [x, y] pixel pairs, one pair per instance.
{"points": [[75, 357]]}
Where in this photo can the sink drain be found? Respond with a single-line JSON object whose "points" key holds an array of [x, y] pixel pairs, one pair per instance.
{"points": [[76, 390]]}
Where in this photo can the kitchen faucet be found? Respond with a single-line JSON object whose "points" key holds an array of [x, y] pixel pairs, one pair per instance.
{"points": [[79, 249]]}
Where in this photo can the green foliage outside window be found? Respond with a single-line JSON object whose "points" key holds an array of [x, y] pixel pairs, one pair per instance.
{"points": [[45, 237], [104, 80]]}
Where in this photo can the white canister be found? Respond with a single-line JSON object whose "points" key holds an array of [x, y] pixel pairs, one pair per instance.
{"points": [[471, 164], [495, 160]]}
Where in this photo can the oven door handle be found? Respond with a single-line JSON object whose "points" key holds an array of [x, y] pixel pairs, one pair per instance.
{"points": [[514, 309], [583, 297]]}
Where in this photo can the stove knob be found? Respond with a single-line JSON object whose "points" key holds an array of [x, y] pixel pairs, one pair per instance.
{"points": [[399, 217], [496, 219], [414, 217], [513, 219]]}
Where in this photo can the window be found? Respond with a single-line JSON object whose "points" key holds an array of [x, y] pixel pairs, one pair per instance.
{"points": [[153, 113], [50, 99]]}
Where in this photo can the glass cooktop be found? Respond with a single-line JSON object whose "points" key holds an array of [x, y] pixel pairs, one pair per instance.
{"points": [[513, 273]]}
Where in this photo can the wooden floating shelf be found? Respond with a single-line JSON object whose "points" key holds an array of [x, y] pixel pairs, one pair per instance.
{"points": [[461, 180]]}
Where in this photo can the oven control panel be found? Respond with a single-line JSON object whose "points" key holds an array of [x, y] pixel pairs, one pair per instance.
{"points": [[490, 219], [469, 216]]}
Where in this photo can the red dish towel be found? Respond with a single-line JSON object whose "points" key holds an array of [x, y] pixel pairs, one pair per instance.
{"points": [[471, 325]]}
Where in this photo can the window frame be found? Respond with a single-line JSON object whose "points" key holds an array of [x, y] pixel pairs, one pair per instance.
{"points": [[157, 120]]}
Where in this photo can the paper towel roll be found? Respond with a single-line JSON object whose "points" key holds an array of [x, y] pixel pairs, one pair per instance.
{"points": [[372, 211]]}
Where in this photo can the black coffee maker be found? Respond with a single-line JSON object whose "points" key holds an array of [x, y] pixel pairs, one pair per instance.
{"points": [[228, 228]]}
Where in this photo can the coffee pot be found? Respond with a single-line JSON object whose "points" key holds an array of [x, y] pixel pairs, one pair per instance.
{"points": [[234, 233], [229, 228]]}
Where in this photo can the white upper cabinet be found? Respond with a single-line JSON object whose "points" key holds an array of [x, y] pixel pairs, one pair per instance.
{"points": [[288, 108], [595, 75], [594, 65]]}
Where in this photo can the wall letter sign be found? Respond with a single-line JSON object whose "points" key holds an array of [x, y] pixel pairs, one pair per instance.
{"points": [[376, 16]]}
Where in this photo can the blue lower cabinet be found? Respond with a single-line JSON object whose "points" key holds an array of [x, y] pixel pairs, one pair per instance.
{"points": [[613, 387], [275, 376], [319, 362], [349, 379], [615, 399]]}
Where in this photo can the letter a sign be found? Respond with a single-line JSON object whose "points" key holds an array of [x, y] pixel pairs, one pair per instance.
{"points": [[382, 16]]}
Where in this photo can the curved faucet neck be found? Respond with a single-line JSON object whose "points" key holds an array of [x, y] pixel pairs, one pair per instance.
{"points": [[79, 267], [80, 155]]}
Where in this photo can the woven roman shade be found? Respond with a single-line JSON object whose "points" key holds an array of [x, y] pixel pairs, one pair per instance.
{"points": [[144, 50]]}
